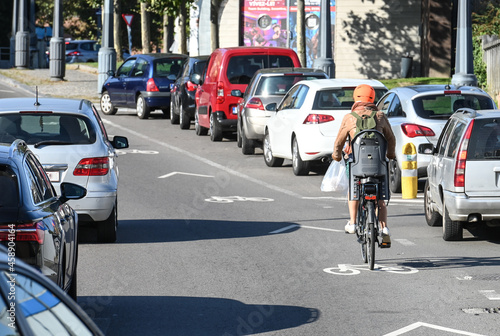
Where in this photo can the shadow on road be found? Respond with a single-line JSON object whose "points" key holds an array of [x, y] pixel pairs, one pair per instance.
{"points": [[181, 315]]}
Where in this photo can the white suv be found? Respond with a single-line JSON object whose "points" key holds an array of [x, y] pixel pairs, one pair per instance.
{"points": [[464, 173]]}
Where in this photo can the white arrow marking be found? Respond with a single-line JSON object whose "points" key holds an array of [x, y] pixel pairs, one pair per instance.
{"points": [[431, 326], [490, 294], [181, 173]]}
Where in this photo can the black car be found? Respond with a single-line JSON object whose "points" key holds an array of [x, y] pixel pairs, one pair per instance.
{"points": [[33, 305], [35, 224], [182, 102], [142, 82]]}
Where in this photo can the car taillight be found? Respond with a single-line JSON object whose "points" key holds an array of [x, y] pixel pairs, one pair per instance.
{"points": [[318, 118], [151, 85], [74, 53], [255, 103], [92, 167], [459, 179], [414, 130], [25, 232], [190, 86], [220, 92]]}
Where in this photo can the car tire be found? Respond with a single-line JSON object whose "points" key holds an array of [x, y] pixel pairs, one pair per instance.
{"points": [[247, 145], [106, 230], [174, 117], [238, 134], [107, 106], [394, 176], [143, 110], [300, 167], [215, 129], [270, 160], [432, 217], [198, 129], [452, 230], [185, 120]]}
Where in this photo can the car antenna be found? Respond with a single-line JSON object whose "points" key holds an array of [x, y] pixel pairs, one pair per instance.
{"points": [[37, 103]]}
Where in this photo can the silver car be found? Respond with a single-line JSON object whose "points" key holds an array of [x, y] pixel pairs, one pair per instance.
{"points": [[417, 115], [82, 51], [69, 139], [463, 173], [266, 86]]}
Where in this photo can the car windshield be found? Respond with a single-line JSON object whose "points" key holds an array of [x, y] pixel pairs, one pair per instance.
{"points": [[167, 66], [241, 69], [279, 85], [484, 142], [339, 99], [46, 128], [441, 106], [9, 197]]}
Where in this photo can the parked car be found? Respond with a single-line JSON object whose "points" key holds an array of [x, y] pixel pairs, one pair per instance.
{"points": [[38, 226], [182, 101], [81, 51], [38, 306], [418, 113], [268, 85], [306, 122], [69, 138], [142, 82], [231, 69], [462, 184]]}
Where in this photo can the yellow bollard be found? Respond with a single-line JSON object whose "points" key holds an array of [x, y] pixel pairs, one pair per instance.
{"points": [[409, 175]]}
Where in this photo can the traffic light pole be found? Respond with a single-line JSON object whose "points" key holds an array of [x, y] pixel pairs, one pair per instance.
{"points": [[57, 62], [107, 52]]}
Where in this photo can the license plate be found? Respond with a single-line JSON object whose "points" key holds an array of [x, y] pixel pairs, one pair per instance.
{"points": [[54, 176], [235, 109]]}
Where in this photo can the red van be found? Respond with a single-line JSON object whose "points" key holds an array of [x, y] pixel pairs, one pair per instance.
{"points": [[230, 69]]}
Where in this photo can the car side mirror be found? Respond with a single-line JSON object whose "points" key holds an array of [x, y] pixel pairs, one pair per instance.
{"points": [[111, 73], [71, 191], [236, 93], [119, 142], [271, 107], [195, 78]]}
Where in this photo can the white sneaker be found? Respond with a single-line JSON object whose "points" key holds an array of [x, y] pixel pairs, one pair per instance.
{"points": [[350, 228], [385, 232]]}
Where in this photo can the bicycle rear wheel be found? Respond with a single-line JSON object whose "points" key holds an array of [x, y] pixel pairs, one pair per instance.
{"points": [[371, 237], [361, 220]]}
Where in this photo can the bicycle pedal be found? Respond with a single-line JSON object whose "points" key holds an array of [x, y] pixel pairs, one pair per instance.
{"points": [[384, 245]]}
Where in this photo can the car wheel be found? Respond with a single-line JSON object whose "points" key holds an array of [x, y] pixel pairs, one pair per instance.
{"points": [[142, 108], [185, 121], [215, 129], [300, 167], [247, 145], [198, 129], [270, 160], [452, 230], [432, 217], [106, 230], [107, 106], [238, 135], [394, 176], [174, 117]]}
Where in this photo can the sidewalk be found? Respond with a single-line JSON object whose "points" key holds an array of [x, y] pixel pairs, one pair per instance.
{"points": [[80, 81]]}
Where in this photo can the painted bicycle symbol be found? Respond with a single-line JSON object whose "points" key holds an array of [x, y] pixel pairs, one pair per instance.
{"points": [[231, 199], [348, 269]]}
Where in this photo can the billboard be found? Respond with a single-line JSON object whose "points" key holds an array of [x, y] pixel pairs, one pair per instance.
{"points": [[265, 24]]}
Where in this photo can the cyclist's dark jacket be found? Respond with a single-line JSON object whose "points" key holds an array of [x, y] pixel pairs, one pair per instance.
{"points": [[348, 126]]}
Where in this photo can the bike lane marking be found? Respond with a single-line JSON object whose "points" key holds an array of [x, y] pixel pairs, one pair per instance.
{"points": [[348, 269], [181, 173], [286, 228], [417, 325]]}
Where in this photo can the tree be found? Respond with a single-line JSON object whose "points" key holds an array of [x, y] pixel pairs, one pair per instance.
{"points": [[145, 30]]}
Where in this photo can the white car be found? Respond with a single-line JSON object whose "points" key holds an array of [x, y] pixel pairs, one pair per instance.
{"points": [[417, 115], [69, 139], [306, 122]]}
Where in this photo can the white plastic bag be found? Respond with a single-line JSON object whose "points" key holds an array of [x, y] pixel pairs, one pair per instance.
{"points": [[335, 178]]}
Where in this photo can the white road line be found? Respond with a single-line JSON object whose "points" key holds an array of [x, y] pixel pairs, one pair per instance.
{"points": [[432, 326], [490, 294], [181, 173], [286, 228], [405, 242], [305, 227], [202, 159]]}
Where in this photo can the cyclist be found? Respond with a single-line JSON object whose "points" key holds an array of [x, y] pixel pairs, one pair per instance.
{"points": [[364, 96]]}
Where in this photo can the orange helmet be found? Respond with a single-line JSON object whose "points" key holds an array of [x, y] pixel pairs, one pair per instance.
{"points": [[364, 93]]}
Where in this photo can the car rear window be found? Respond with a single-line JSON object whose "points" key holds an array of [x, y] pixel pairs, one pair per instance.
{"points": [[279, 85], [9, 197], [241, 69], [35, 128], [484, 142], [167, 66], [339, 99], [71, 46], [441, 106]]}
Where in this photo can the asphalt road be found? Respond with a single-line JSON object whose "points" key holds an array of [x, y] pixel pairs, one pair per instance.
{"points": [[212, 242]]}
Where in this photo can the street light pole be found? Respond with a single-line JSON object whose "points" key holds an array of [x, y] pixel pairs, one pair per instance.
{"points": [[325, 60], [13, 34], [464, 66], [57, 62], [107, 52], [22, 39]]}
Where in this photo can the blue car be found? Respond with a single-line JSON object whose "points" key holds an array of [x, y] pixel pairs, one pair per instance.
{"points": [[142, 82]]}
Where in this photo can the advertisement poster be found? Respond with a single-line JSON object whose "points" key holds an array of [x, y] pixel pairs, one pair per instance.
{"points": [[264, 24]]}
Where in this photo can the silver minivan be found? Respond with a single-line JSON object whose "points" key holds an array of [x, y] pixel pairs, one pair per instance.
{"points": [[463, 184]]}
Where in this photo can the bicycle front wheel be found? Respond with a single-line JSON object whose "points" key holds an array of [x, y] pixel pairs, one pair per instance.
{"points": [[371, 237]]}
